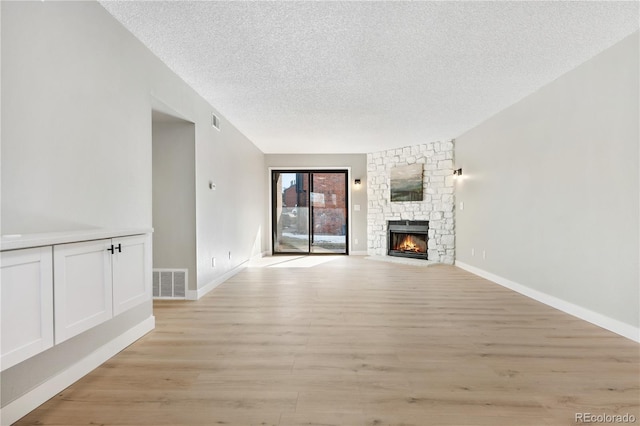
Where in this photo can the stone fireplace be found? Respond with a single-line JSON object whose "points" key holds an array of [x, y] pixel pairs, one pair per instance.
{"points": [[436, 207], [408, 238]]}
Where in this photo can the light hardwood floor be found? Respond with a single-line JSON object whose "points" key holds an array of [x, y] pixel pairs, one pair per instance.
{"points": [[357, 342]]}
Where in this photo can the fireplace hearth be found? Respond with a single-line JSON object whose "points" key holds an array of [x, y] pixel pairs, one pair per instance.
{"points": [[408, 238]]}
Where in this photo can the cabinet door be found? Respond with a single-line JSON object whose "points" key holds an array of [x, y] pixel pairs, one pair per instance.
{"points": [[131, 272], [82, 291], [27, 304]]}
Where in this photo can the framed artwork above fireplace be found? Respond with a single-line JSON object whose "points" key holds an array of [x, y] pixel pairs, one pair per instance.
{"points": [[406, 183]]}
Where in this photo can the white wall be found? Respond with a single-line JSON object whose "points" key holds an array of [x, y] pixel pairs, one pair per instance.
{"points": [[174, 195], [229, 219], [77, 95], [357, 163], [551, 190]]}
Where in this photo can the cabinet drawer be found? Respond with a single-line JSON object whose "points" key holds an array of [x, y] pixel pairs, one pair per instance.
{"points": [[27, 304]]}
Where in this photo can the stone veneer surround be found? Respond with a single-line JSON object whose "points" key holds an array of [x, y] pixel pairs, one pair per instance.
{"points": [[437, 205]]}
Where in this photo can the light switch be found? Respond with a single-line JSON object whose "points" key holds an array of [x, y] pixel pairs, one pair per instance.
{"points": [[461, 205], [356, 207]]}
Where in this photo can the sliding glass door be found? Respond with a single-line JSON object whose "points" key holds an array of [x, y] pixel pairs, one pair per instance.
{"points": [[328, 212], [290, 212], [309, 211]]}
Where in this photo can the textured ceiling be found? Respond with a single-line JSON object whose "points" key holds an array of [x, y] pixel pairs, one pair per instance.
{"points": [[338, 77]]}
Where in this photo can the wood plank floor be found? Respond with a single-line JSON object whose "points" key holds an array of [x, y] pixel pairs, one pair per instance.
{"points": [[357, 342]]}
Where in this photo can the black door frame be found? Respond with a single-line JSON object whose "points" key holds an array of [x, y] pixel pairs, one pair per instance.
{"points": [[309, 172]]}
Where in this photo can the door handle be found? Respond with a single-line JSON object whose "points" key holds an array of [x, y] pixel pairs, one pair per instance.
{"points": [[111, 249], [119, 248]]}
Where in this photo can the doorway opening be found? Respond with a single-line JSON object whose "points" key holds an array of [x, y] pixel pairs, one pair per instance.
{"points": [[309, 211], [173, 205]]}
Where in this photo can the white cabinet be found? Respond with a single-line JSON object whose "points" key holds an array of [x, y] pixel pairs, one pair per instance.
{"points": [[56, 286], [83, 289], [96, 280], [132, 265], [26, 295]]}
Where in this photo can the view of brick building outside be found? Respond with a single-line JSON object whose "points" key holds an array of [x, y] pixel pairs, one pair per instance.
{"points": [[329, 201]]}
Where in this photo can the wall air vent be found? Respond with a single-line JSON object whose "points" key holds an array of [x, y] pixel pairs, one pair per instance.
{"points": [[170, 283], [215, 121]]}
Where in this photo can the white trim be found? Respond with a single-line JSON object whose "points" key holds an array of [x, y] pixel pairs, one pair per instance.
{"points": [[47, 390], [358, 253], [608, 323], [259, 255], [197, 294]]}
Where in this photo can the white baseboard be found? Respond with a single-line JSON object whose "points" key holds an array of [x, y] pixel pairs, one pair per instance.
{"points": [[358, 253], [608, 323], [259, 255], [197, 294], [47, 390]]}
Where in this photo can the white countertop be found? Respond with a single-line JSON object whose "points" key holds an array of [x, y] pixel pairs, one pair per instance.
{"points": [[20, 241]]}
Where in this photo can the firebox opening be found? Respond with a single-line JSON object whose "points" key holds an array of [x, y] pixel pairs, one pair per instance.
{"points": [[412, 243], [408, 238]]}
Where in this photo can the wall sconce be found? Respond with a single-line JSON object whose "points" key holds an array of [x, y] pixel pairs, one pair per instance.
{"points": [[357, 182], [457, 173]]}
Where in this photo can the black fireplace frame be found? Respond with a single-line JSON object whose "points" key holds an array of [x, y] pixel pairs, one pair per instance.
{"points": [[418, 227]]}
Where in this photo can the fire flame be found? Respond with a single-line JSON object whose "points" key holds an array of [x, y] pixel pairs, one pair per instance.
{"points": [[408, 244]]}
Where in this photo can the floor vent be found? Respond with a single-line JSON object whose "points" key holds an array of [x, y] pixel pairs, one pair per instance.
{"points": [[170, 283]]}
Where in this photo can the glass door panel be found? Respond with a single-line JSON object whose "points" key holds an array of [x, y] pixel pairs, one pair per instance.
{"points": [[309, 210], [290, 212], [329, 212]]}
